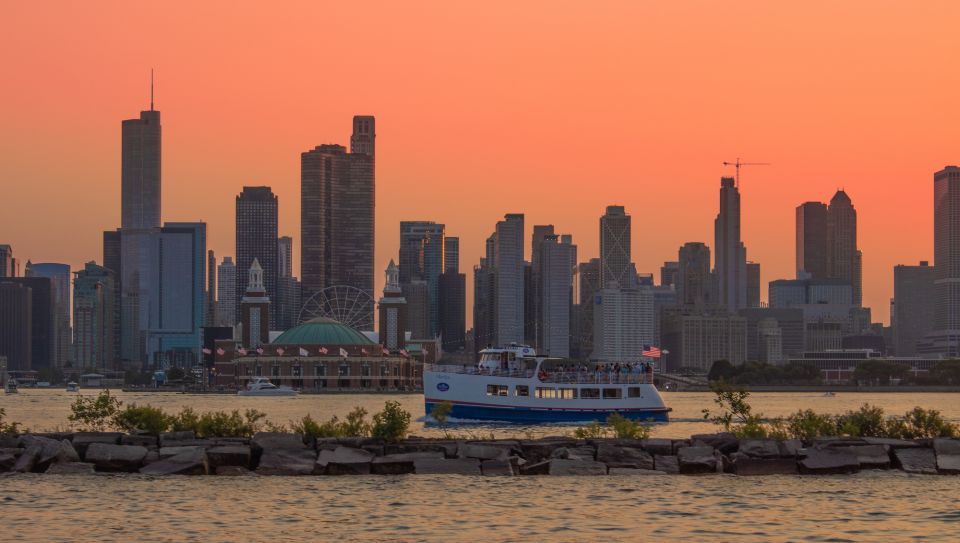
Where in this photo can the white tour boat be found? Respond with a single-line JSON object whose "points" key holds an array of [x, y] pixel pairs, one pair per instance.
{"points": [[10, 387], [261, 386], [72, 387], [514, 385]]}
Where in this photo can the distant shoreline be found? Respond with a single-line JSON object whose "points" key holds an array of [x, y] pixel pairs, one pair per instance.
{"points": [[824, 388]]}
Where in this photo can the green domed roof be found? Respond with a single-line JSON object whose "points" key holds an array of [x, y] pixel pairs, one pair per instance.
{"points": [[322, 331]]}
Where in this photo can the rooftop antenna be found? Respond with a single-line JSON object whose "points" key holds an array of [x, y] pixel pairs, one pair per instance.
{"points": [[151, 89]]}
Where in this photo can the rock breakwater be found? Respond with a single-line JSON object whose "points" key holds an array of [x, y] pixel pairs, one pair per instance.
{"points": [[266, 453]]}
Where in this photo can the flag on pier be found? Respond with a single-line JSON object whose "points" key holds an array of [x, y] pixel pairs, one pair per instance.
{"points": [[220, 351], [242, 351], [651, 351], [343, 352], [323, 350], [304, 352], [207, 351], [386, 352], [280, 351]]}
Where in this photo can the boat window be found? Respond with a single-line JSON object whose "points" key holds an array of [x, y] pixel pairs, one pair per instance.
{"points": [[543, 392], [498, 390], [522, 390], [612, 393], [633, 392], [589, 393], [568, 393]]}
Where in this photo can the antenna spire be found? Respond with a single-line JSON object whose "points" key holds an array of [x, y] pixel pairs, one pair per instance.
{"points": [[151, 89]]}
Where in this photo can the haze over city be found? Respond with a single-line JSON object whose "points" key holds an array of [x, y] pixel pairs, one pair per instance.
{"points": [[554, 113]]}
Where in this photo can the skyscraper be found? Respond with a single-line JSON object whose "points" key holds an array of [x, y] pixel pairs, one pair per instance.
{"points": [[731, 255], [669, 273], [484, 322], [422, 257], [508, 267], [451, 254], [753, 284], [558, 257], [812, 245], [534, 293], [588, 280], [256, 238], [254, 309], [16, 323], [210, 305], [285, 256], [843, 256], [43, 328], [112, 259], [8, 264], [615, 248], [945, 338], [696, 286], [59, 276], [337, 206], [140, 171], [93, 311], [914, 300], [227, 292], [453, 298], [623, 323], [287, 304]]}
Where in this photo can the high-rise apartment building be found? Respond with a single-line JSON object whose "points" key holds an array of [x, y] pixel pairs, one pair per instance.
{"points": [[337, 216], [256, 238], [227, 292], [623, 323], [287, 304], [696, 286], [140, 171], [588, 282], [753, 284], [16, 325], [453, 298], [43, 314], [731, 255], [696, 341], [914, 300], [669, 274], [812, 248], [508, 265], [422, 257], [8, 264], [93, 318], [112, 260], [210, 293], [615, 248], [60, 278], [557, 258], [945, 337]]}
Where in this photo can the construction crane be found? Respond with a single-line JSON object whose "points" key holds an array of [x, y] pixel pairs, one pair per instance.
{"points": [[737, 165]]}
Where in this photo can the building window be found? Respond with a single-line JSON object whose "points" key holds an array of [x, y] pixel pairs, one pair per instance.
{"points": [[497, 390], [589, 393], [275, 370], [365, 370], [297, 371], [633, 392], [543, 392], [320, 369], [522, 390], [344, 370], [567, 393], [258, 371]]}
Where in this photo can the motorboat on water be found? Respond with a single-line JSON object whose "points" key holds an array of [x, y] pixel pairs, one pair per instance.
{"points": [[10, 387], [261, 386], [514, 385], [73, 387]]}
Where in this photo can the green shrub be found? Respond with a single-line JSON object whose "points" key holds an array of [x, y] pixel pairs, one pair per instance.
{"points": [[8, 427], [806, 424], [625, 428], [441, 411], [392, 423], [921, 423], [186, 419], [868, 421], [593, 430], [307, 427], [218, 423], [356, 424], [95, 413], [149, 419]]}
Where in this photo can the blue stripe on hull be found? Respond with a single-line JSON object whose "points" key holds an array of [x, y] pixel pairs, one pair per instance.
{"points": [[528, 416]]}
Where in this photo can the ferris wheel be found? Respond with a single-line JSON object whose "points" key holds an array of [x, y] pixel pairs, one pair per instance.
{"points": [[348, 305]]}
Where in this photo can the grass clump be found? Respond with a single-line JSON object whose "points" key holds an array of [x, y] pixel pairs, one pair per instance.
{"points": [[392, 423], [95, 414], [616, 426]]}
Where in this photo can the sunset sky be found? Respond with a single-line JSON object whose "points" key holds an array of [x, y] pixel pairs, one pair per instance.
{"points": [[552, 109]]}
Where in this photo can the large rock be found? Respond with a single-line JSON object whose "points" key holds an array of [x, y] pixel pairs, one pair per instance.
{"points": [[743, 464], [663, 447], [108, 457], [291, 461], [459, 466], [624, 457], [27, 459], [536, 468], [446, 447], [484, 451], [560, 466], [724, 442], [496, 467], [190, 462], [67, 453], [399, 464], [233, 471], [51, 450], [7, 461], [948, 455], [542, 449], [916, 460], [760, 448], [829, 461], [148, 441], [666, 463], [582, 452], [891, 443], [837, 441], [697, 460], [633, 471], [870, 456], [9, 441], [167, 452], [82, 440], [790, 448], [71, 468], [344, 461], [183, 435], [229, 455], [264, 441]]}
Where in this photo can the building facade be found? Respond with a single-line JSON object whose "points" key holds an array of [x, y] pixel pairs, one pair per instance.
{"points": [[227, 292], [812, 248], [623, 323], [843, 256], [93, 312], [557, 256], [422, 257], [255, 309], [615, 251], [508, 269], [16, 330], [256, 238], [696, 285], [731, 255], [60, 279], [914, 303]]}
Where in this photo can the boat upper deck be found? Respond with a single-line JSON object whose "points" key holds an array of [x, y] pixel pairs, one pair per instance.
{"points": [[549, 371]]}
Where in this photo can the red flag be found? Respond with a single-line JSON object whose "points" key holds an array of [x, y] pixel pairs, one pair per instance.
{"points": [[386, 352], [207, 351], [403, 353], [280, 351], [242, 351], [220, 351], [324, 350], [259, 350], [364, 351]]}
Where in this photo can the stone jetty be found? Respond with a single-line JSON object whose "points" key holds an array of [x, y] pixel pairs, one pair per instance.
{"points": [[183, 453]]}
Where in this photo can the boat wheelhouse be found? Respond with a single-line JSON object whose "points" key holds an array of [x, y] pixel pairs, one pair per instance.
{"points": [[514, 385]]}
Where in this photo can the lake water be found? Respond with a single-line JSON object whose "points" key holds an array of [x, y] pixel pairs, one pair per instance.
{"points": [[870, 506]]}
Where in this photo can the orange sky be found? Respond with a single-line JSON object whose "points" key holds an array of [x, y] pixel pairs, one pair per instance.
{"points": [[554, 109]]}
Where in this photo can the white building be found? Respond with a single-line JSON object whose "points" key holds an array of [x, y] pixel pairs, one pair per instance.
{"points": [[623, 322], [558, 257]]}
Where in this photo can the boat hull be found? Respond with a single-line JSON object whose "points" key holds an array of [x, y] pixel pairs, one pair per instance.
{"points": [[527, 415], [267, 393]]}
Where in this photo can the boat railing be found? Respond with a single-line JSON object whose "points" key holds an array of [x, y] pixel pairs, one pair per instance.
{"points": [[473, 370], [595, 378]]}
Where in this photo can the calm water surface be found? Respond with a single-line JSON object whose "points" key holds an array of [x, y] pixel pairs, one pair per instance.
{"points": [[871, 506]]}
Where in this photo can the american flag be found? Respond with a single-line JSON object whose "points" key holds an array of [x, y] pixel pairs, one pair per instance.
{"points": [[323, 350], [242, 351], [651, 351], [280, 351], [386, 352]]}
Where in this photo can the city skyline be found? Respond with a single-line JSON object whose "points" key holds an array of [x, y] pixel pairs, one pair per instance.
{"points": [[658, 155]]}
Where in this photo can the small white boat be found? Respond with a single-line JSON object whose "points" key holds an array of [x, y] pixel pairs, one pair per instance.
{"points": [[43, 384], [10, 387], [72, 387], [829, 394], [261, 386]]}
